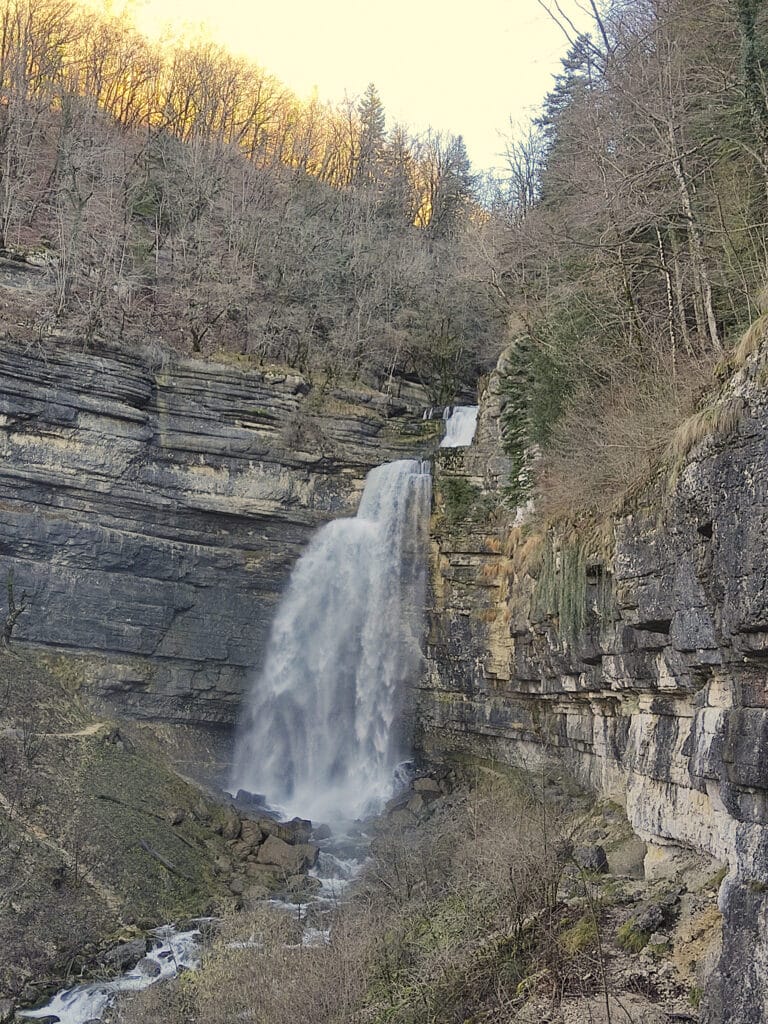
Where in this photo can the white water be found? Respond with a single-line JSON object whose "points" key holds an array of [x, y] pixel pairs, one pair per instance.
{"points": [[460, 426], [321, 734], [172, 951]]}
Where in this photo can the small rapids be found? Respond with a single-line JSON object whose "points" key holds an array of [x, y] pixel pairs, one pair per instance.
{"points": [[172, 951]]}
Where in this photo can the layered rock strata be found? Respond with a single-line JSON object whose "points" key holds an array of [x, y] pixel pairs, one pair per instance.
{"points": [[151, 511], [639, 660]]}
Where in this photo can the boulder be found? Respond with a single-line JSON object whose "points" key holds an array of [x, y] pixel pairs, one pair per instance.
{"points": [[121, 957], [427, 787], [320, 832], [298, 830], [251, 834], [292, 859], [6, 1011], [402, 818], [222, 865], [231, 825], [175, 815], [266, 874], [149, 968], [592, 859], [416, 804]]}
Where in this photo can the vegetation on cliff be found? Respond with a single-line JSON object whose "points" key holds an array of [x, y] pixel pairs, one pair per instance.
{"points": [[635, 239]]}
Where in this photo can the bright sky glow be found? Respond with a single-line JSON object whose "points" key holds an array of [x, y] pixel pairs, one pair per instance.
{"points": [[460, 67]]}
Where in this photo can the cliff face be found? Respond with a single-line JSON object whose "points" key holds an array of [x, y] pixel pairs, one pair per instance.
{"points": [[152, 513], [655, 693]]}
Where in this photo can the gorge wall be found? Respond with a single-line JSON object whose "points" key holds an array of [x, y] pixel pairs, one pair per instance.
{"points": [[152, 511], [654, 692]]}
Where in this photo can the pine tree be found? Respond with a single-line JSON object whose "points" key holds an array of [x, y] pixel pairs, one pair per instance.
{"points": [[372, 136]]}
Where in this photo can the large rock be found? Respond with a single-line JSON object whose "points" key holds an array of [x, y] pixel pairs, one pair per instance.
{"points": [[152, 512], [125, 955], [292, 859]]}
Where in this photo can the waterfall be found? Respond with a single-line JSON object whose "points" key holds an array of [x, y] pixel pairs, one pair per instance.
{"points": [[322, 729], [460, 426]]}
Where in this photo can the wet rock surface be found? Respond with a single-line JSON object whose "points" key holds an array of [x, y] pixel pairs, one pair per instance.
{"points": [[658, 699]]}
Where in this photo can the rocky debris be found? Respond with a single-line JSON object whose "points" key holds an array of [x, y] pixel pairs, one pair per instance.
{"points": [[297, 830], [265, 853], [407, 808]]}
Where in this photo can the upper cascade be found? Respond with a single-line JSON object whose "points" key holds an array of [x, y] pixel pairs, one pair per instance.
{"points": [[322, 730], [460, 426]]}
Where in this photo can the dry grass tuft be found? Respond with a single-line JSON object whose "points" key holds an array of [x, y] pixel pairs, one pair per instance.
{"points": [[605, 443], [752, 340], [722, 418]]}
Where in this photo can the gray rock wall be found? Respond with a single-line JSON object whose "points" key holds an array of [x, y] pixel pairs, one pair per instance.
{"points": [[153, 512], [660, 700]]}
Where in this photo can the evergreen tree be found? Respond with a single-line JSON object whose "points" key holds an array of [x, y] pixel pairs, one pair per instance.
{"points": [[372, 136], [399, 202], [453, 186]]}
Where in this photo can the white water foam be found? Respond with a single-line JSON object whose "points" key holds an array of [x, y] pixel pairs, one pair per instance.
{"points": [[82, 1003], [460, 426], [321, 734]]}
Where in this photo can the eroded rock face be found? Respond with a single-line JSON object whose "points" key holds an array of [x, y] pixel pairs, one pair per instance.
{"points": [[659, 700], [152, 513]]}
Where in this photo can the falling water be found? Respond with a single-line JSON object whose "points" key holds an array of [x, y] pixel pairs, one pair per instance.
{"points": [[321, 733], [460, 426]]}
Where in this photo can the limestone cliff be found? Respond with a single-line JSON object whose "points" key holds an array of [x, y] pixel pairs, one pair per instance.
{"points": [[638, 656], [152, 510]]}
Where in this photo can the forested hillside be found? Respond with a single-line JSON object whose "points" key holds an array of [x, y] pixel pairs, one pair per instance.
{"points": [[186, 197]]}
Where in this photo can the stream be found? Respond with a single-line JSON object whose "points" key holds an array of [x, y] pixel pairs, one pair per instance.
{"points": [[173, 950]]}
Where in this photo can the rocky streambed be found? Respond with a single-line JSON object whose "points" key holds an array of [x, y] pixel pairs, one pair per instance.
{"points": [[295, 867]]}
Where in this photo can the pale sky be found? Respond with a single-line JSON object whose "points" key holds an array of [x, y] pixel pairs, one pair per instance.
{"points": [[460, 67]]}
